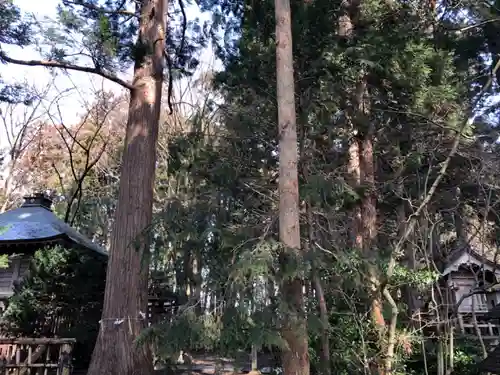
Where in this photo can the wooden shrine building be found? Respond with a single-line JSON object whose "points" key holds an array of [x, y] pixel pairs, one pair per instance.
{"points": [[23, 231], [33, 226]]}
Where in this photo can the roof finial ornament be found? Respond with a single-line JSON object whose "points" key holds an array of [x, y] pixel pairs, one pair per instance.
{"points": [[38, 199]]}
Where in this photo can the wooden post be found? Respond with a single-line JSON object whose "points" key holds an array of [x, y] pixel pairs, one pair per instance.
{"points": [[254, 358], [461, 323], [440, 357], [64, 361], [28, 360], [18, 359], [3, 364], [47, 360], [452, 349]]}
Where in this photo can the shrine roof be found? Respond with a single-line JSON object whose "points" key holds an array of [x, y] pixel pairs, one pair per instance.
{"points": [[34, 221]]}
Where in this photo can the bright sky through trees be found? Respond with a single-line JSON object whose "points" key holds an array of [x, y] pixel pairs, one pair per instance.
{"points": [[82, 85]]}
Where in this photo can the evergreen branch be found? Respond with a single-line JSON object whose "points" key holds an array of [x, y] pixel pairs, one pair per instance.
{"points": [[412, 220], [61, 65], [87, 5]]}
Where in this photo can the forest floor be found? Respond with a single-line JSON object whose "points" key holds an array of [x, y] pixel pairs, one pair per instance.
{"points": [[206, 364], [210, 364]]}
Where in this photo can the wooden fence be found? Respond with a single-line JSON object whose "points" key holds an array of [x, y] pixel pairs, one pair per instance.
{"points": [[35, 356]]}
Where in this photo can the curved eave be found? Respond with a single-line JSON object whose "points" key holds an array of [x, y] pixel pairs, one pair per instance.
{"points": [[467, 257], [91, 247], [31, 242], [36, 224], [53, 240]]}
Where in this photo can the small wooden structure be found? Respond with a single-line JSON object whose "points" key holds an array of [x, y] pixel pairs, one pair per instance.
{"points": [[471, 291], [25, 230], [36, 356], [462, 303], [32, 226]]}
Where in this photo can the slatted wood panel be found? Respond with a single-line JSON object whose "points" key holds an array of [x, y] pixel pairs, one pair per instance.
{"points": [[39, 356], [488, 330]]}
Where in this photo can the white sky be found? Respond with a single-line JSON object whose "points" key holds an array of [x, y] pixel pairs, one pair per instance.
{"points": [[72, 105], [39, 75]]}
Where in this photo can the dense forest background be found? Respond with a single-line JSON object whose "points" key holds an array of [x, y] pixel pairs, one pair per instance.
{"points": [[396, 106]]}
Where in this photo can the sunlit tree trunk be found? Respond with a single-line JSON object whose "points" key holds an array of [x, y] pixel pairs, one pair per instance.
{"points": [[361, 172], [354, 173], [295, 358], [369, 229], [125, 300]]}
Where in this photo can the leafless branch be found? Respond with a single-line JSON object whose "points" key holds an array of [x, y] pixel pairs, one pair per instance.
{"points": [[56, 64], [70, 137], [119, 9], [410, 225]]}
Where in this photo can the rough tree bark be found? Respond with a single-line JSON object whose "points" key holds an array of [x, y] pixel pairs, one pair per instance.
{"points": [[354, 178], [125, 298], [325, 360], [363, 216], [366, 129], [295, 358], [361, 173], [325, 333], [345, 31], [369, 230]]}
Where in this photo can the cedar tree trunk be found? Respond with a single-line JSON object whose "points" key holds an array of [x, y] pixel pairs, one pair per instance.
{"points": [[125, 297], [295, 358]]}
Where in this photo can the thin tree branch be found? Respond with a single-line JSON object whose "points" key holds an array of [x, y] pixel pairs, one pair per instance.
{"points": [[412, 220], [391, 341], [473, 292], [479, 24], [56, 64], [87, 5], [59, 177]]}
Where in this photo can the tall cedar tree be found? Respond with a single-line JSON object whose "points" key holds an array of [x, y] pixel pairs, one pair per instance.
{"points": [[296, 357], [125, 298], [127, 276]]}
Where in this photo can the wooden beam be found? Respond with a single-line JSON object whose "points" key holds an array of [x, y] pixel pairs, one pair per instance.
{"points": [[36, 341], [28, 363]]}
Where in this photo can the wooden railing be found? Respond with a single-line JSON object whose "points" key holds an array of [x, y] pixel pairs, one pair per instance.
{"points": [[35, 356], [487, 330]]}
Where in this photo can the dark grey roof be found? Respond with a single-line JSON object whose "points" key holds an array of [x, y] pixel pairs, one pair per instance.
{"points": [[37, 223]]}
